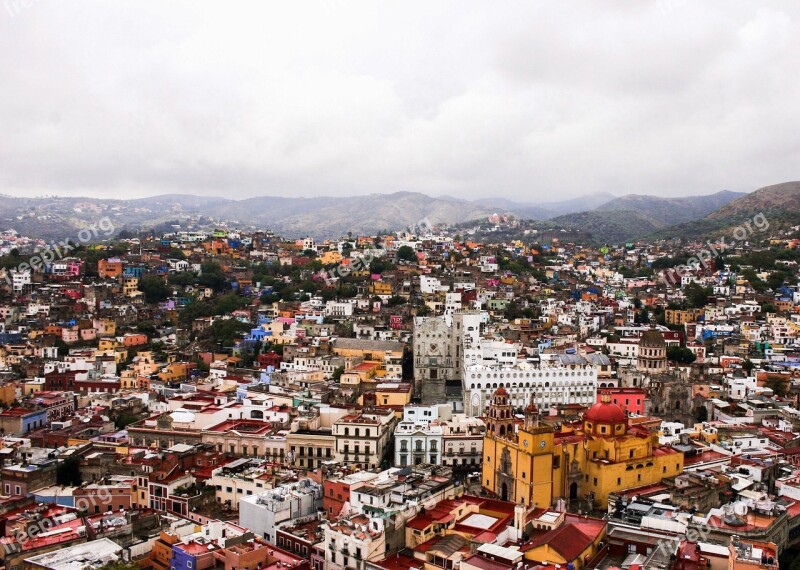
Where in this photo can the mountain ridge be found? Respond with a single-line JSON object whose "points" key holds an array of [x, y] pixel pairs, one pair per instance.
{"points": [[609, 217]]}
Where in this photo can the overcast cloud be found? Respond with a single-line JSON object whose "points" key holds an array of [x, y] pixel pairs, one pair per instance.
{"points": [[528, 100]]}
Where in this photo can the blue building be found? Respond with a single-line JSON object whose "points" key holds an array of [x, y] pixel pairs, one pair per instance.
{"points": [[19, 421]]}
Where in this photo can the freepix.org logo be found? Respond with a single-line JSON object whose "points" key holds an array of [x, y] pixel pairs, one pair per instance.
{"points": [[362, 261], [706, 255], [104, 227]]}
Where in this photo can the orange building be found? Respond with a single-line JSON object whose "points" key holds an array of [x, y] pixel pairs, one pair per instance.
{"points": [[109, 268]]}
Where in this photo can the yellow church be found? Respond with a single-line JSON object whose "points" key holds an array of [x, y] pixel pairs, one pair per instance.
{"points": [[585, 461]]}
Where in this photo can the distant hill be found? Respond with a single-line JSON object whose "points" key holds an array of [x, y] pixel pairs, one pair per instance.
{"points": [[635, 216], [333, 217], [670, 211], [548, 210], [58, 217], [607, 218], [324, 217], [609, 226], [779, 203], [782, 198]]}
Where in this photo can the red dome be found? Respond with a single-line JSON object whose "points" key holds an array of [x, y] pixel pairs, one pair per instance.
{"points": [[501, 392], [606, 413]]}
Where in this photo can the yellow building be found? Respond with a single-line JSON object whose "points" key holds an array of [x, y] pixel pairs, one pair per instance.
{"points": [[107, 344], [9, 393], [388, 395], [175, 371], [517, 465], [682, 316], [328, 257], [584, 462], [369, 349], [568, 539], [127, 379], [381, 288], [32, 386], [130, 287]]}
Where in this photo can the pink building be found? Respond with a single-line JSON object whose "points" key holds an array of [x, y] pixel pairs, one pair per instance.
{"points": [[88, 334], [70, 335], [134, 339], [629, 399]]}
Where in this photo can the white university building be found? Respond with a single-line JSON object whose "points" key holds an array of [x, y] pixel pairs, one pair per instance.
{"points": [[551, 380]]}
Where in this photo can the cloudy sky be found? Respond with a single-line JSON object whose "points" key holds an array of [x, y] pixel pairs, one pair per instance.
{"points": [[527, 100]]}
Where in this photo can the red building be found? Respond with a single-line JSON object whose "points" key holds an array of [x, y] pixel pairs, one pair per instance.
{"points": [[60, 381], [337, 493], [629, 399], [271, 358]]}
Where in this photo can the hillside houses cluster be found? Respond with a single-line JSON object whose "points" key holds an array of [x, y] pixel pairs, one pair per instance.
{"points": [[235, 399]]}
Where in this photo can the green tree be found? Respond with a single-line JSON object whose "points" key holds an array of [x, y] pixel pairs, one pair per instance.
{"points": [[228, 303], [380, 266], [182, 279], [154, 288], [795, 565], [225, 331], [68, 472], [776, 279], [211, 275], [681, 355], [63, 347], [697, 295], [406, 253], [175, 253], [396, 301], [778, 385], [146, 327], [124, 419], [702, 414]]}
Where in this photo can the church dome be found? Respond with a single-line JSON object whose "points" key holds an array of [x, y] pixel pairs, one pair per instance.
{"points": [[652, 339], [606, 412]]}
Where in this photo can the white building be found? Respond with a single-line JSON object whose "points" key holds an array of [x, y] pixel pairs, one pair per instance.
{"points": [[264, 512], [417, 443], [92, 554], [362, 438], [433, 434], [20, 280], [239, 479], [352, 541], [338, 309], [462, 442], [430, 285], [568, 380]]}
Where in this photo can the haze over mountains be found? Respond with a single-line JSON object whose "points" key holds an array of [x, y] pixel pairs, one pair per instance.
{"points": [[634, 215], [606, 217], [779, 204]]}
